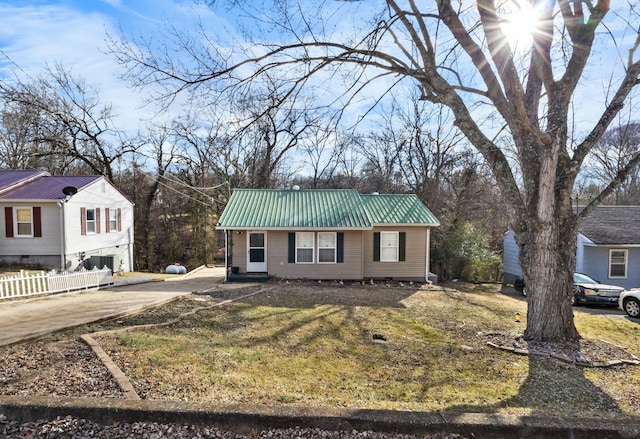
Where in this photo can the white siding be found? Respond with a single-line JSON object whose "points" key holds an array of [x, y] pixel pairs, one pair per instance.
{"points": [[99, 195], [35, 251], [57, 241]]}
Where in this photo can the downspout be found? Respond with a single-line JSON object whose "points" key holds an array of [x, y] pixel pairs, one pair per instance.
{"points": [[63, 240], [130, 248], [427, 258], [226, 254]]}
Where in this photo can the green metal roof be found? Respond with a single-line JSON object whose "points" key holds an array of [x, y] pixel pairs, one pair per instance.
{"points": [[320, 209], [291, 209], [398, 209]]}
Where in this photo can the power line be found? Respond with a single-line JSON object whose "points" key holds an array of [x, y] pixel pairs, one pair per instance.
{"points": [[178, 191]]}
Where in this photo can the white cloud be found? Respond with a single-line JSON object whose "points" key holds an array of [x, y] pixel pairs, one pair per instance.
{"points": [[49, 34]]}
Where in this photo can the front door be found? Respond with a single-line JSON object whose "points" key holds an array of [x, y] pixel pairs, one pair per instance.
{"points": [[257, 249]]}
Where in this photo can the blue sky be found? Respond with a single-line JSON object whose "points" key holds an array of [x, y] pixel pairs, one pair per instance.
{"points": [[73, 32]]}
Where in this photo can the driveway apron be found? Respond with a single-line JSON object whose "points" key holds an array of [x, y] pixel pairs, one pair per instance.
{"points": [[33, 318]]}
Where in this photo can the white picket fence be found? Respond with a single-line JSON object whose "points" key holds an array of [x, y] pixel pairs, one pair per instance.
{"points": [[30, 284]]}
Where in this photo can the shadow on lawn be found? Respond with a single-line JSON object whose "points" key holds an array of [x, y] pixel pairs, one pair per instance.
{"points": [[550, 385]]}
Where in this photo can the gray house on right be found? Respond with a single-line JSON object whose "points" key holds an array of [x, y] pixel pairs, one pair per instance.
{"points": [[608, 247]]}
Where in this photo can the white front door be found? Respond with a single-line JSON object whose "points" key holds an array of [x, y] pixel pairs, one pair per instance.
{"points": [[257, 252]]}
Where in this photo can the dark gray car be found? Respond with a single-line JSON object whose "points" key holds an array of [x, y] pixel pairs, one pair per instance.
{"points": [[588, 291]]}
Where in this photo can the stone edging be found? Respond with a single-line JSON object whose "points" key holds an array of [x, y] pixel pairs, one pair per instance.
{"points": [[120, 377]]}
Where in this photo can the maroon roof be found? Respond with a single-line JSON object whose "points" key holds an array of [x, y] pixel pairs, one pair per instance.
{"points": [[11, 177], [47, 187]]}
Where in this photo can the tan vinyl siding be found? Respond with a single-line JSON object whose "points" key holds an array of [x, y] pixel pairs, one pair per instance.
{"points": [[279, 266], [414, 266]]}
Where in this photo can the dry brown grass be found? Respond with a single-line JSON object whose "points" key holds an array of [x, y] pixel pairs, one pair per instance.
{"points": [[390, 347]]}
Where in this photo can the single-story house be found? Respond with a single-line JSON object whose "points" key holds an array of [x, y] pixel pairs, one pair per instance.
{"points": [[64, 222], [608, 247], [327, 234]]}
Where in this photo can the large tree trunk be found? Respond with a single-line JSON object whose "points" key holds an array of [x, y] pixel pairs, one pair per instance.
{"points": [[548, 249], [548, 261]]}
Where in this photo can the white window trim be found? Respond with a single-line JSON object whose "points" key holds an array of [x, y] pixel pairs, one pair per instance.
{"points": [[335, 247], [113, 228], [397, 246], [87, 221], [313, 244], [626, 263], [15, 222]]}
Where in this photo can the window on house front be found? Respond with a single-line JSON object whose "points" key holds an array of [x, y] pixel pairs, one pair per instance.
{"points": [[389, 244], [24, 221], [113, 220], [326, 247], [617, 263], [304, 247], [91, 221]]}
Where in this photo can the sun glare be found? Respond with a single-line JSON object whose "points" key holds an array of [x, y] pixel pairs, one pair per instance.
{"points": [[520, 23]]}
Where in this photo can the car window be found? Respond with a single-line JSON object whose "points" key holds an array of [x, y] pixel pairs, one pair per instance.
{"points": [[583, 278]]}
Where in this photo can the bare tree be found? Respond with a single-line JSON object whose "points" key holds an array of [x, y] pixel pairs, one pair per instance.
{"points": [[611, 154], [459, 56], [70, 128], [18, 127], [162, 154]]}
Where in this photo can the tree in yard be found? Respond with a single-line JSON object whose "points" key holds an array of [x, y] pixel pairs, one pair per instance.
{"points": [[611, 154], [464, 56], [70, 129]]}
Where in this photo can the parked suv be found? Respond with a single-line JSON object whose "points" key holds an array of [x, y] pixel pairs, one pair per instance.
{"points": [[588, 291]]}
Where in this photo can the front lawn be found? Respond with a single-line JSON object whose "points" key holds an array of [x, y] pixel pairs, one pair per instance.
{"points": [[374, 346]]}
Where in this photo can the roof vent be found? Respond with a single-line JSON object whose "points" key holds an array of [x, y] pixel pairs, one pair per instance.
{"points": [[375, 193], [295, 187]]}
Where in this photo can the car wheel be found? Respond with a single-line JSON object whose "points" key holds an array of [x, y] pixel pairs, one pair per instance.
{"points": [[632, 307], [574, 300]]}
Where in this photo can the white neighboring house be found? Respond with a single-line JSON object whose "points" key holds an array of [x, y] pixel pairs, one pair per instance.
{"points": [[64, 222]]}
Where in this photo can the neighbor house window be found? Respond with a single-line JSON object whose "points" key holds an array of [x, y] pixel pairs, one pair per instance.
{"points": [[618, 263], [389, 244], [24, 222], [326, 247], [304, 247], [113, 220], [91, 221]]}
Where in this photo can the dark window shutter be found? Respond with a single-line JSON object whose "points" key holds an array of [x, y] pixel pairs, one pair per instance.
{"points": [[292, 247], [340, 245], [376, 246], [83, 221], [37, 222], [8, 221], [402, 245], [119, 220], [107, 222], [98, 220]]}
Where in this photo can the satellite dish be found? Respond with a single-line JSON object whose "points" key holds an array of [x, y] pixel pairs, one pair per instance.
{"points": [[69, 191]]}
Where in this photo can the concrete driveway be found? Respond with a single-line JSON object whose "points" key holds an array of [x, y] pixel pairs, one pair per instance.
{"points": [[33, 318]]}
